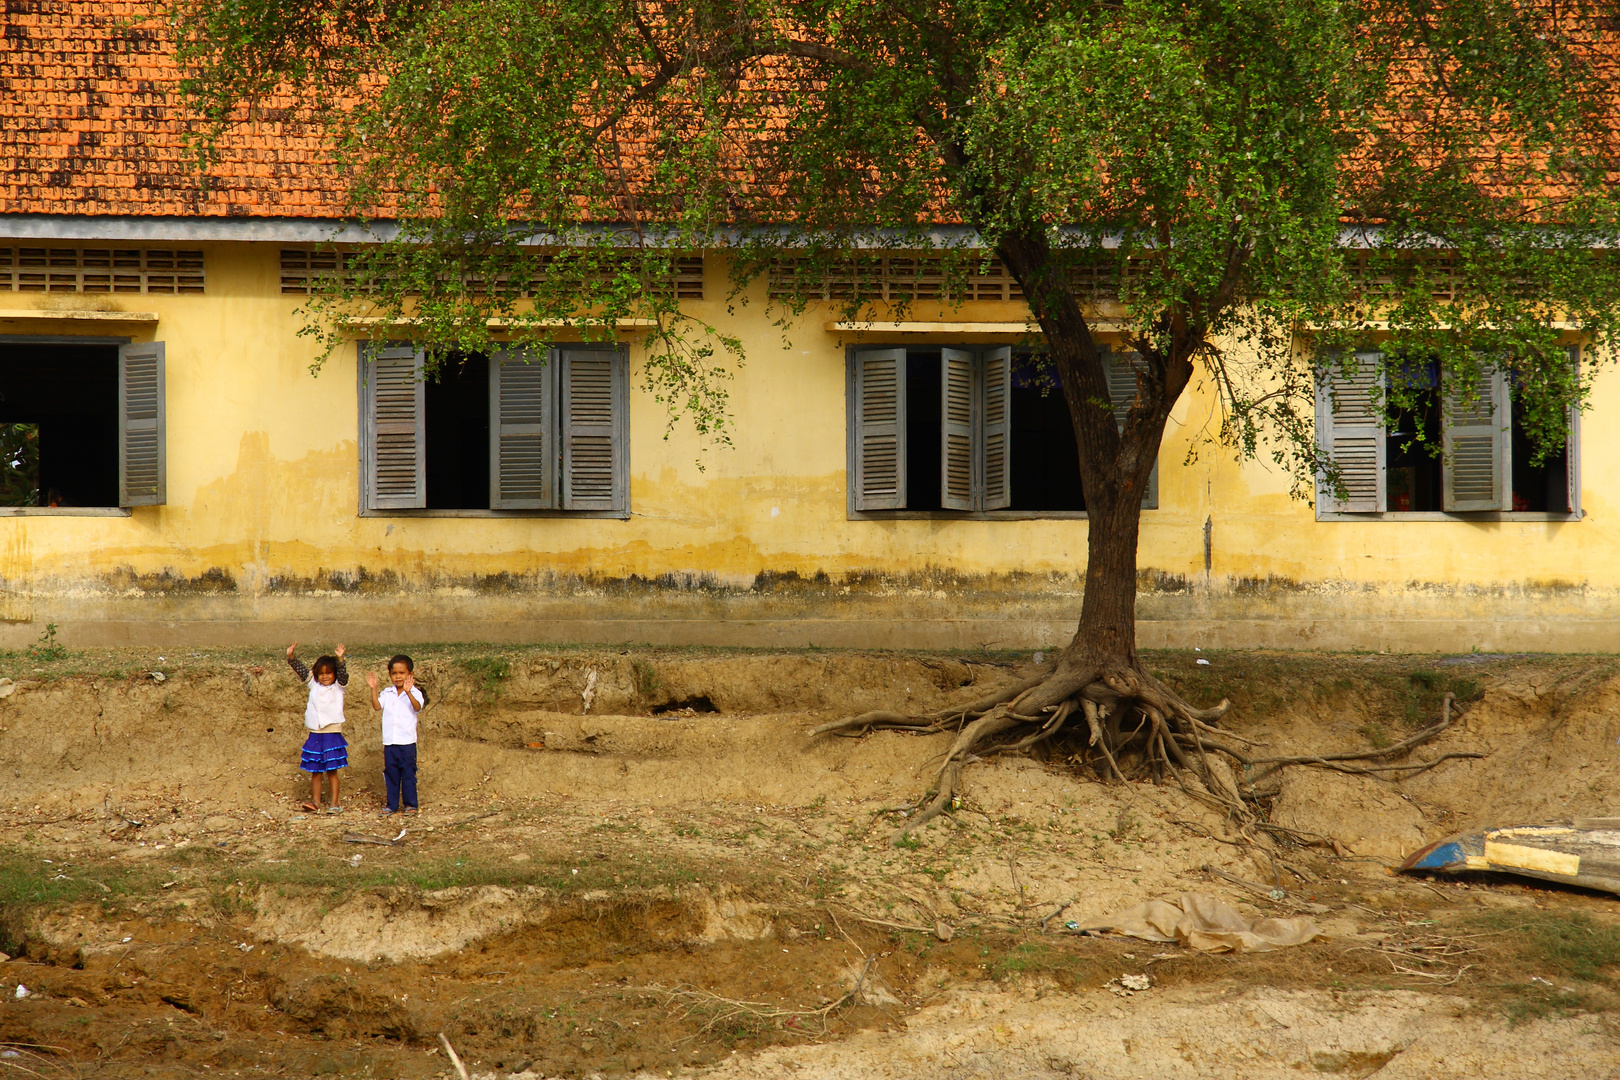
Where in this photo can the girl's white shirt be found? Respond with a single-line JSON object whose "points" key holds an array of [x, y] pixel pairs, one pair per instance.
{"points": [[398, 718], [324, 713]]}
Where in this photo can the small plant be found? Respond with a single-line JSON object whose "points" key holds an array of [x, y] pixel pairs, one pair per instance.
{"points": [[647, 680], [48, 648], [1375, 735], [490, 672], [909, 842]]}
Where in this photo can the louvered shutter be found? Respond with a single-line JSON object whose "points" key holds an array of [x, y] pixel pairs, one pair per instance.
{"points": [[956, 473], [595, 457], [997, 442], [1121, 372], [522, 432], [1350, 428], [142, 456], [877, 402], [1572, 449], [394, 438], [1476, 446]]}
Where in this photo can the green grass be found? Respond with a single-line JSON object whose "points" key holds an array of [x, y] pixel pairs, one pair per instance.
{"points": [[1577, 956]]}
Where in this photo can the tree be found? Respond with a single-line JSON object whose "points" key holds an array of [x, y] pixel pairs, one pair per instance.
{"points": [[1252, 188]]}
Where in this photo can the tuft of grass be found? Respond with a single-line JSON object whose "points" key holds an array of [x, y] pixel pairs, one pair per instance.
{"points": [[647, 681]]}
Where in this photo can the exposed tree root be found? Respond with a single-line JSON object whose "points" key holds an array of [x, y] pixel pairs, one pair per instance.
{"points": [[1122, 724]]}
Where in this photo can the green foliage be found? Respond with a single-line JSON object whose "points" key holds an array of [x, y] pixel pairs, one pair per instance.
{"points": [[48, 649], [490, 672], [19, 464], [647, 681]]}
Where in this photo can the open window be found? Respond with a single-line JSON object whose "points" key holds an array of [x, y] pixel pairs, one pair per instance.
{"points": [[81, 426], [982, 430], [532, 430], [1444, 450]]}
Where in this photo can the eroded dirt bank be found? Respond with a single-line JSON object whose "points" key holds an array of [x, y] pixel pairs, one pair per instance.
{"points": [[679, 879]]}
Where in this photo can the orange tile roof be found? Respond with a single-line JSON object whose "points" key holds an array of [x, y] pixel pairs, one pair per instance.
{"points": [[91, 123]]}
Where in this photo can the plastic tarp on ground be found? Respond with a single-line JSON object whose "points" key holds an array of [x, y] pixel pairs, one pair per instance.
{"points": [[1204, 923]]}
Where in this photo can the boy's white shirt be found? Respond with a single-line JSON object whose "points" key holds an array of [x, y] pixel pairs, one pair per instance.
{"points": [[398, 718], [324, 713]]}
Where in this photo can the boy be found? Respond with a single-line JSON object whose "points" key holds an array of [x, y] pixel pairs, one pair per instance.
{"points": [[399, 705]]}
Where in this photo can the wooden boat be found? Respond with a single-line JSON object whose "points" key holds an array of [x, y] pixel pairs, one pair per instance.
{"points": [[1585, 852]]}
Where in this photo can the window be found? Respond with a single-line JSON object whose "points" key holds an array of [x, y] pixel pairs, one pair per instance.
{"points": [[514, 431], [967, 430], [1387, 459], [81, 426]]}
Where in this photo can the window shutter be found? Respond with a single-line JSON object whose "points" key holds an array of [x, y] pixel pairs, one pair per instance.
{"points": [[394, 428], [997, 368], [142, 455], [1121, 371], [1476, 447], [522, 432], [595, 457], [956, 474], [877, 402], [1572, 449], [1350, 428]]}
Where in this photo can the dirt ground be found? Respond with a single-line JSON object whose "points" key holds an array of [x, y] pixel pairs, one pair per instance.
{"points": [[638, 863]]}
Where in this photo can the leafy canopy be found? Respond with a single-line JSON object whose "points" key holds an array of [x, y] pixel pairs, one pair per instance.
{"points": [[1254, 186]]}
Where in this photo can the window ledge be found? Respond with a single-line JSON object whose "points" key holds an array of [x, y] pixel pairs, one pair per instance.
{"points": [[1441, 515], [600, 515], [65, 511], [968, 515]]}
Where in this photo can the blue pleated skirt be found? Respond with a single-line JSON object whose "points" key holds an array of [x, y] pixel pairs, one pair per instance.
{"points": [[324, 752]]}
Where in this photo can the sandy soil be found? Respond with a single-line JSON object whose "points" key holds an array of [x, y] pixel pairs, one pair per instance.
{"points": [[680, 880]]}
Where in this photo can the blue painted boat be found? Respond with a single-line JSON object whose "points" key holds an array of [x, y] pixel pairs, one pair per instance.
{"points": [[1585, 852]]}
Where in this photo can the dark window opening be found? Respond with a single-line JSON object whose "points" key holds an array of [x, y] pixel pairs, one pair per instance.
{"points": [[1045, 458], [456, 429], [1413, 465], [1044, 461], [1542, 488], [59, 425], [923, 391]]}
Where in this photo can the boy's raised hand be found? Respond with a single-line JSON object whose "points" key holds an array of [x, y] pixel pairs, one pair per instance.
{"points": [[371, 680]]}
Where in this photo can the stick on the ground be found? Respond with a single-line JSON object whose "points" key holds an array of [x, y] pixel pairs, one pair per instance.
{"points": [[450, 1051]]}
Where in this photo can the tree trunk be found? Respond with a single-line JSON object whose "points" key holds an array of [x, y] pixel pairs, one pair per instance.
{"points": [[1116, 454]]}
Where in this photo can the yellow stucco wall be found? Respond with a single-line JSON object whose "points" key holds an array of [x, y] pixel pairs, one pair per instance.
{"points": [[263, 495]]}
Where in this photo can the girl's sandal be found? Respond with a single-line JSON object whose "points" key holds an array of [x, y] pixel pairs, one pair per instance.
{"points": [[334, 809], [309, 808]]}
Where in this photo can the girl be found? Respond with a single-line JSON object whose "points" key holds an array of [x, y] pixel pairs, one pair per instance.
{"points": [[399, 705], [326, 750]]}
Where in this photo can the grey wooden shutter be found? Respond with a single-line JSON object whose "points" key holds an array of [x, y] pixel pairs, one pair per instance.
{"points": [[394, 430], [956, 442], [522, 431], [877, 447], [1475, 438], [142, 455], [595, 455], [997, 440], [1120, 369], [1350, 429], [1572, 449]]}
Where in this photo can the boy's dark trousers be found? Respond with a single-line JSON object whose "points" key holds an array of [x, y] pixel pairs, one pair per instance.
{"points": [[399, 773]]}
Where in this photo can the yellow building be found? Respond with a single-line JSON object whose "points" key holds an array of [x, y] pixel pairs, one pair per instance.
{"points": [[210, 489]]}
